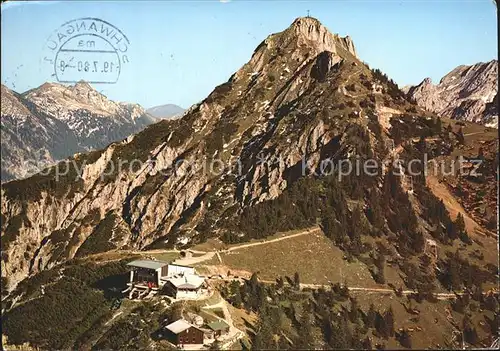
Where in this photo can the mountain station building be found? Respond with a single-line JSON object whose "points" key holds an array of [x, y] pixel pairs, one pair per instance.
{"points": [[150, 277], [181, 332]]}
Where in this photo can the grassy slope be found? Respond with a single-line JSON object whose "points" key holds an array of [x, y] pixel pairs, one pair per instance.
{"points": [[313, 256]]}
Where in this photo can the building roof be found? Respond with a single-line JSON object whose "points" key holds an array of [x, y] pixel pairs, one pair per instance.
{"points": [[187, 281], [179, 265], [218, 325], [179, 326], [149, 264]]}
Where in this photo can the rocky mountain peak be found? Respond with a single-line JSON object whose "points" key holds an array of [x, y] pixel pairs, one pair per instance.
{"points": [[482, 73], [83, 86], [59, 99], [427, 81], [311, 29], [465, 93], [56, 121], [11, 104], [293, 49], [46, 86], [135, 110], [306, 25], [311, 33]]}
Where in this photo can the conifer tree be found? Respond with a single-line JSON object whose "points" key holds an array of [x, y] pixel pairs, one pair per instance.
{"points": [[296, 280], [380, 264], [263, 338], [418, 241], [480, 154], [460, 223], [453, 272], [306, 338], [367, 344], [375, 214], [261, 298], [422, 145], [358, 227], [389, 321], [459, 226], [469, 331], [381, 326], [357, 338], [405, 339], [438, 126], [235, 291], [370, 317], [254, 283], [461, 137], [451, 230], [341, 335], [280, 283], [354, 313]]}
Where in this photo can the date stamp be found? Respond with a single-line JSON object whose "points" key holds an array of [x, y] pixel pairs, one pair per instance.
{"points": [[88, 49]]}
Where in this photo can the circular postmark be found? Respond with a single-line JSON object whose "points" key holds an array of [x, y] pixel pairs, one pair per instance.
{"points": [[88, 49]]}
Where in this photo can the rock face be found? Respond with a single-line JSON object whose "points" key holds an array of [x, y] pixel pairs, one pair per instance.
{"points": [[165, 111], [53, 121], [311, 30], [274, 121], [466, 93]]}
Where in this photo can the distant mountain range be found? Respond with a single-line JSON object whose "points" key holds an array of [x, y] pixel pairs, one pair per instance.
{"points": [[54, 121], [165, 111], [466, 93]]}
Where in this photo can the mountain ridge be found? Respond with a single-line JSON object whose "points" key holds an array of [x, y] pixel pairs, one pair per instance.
{"points": [[166, 111], [465, 93], [69, 119], [292, 99], [270, 130], [266, 153]]}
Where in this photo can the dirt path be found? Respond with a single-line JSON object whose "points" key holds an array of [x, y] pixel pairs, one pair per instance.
{"points": [[440, 296], [469, 134], [156, 251], [264, 242], [195, 260], [210, 254], [350, 76], [415, 140]]}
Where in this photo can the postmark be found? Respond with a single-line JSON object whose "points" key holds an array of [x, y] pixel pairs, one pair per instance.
{"points": [[88, 49]]}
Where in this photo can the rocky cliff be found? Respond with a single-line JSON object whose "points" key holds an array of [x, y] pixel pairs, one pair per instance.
{"points": [[53, 121], [303, 98], [466, 93]]}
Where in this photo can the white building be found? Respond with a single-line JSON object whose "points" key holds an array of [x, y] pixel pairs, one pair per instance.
{"points": [[176, 269], [147, 277], [185, 286]]}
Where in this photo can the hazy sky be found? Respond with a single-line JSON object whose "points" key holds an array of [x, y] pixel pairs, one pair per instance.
{"points": [[180, 50]]}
